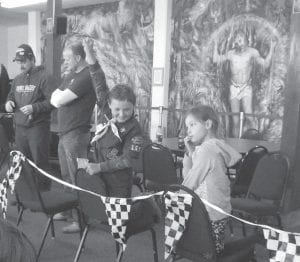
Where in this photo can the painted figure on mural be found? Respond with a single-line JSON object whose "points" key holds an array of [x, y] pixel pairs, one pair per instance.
{"points": [[241, 60]]}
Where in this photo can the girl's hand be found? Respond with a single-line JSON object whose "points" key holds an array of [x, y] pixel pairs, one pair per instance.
{"points": [[93, 168], [189, 145]]}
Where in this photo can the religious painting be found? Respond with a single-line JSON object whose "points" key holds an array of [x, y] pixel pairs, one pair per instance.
{"points": [[231, 55], [123, 42]]}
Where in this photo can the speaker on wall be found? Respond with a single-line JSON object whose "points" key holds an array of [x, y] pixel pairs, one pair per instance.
{"points": [[61, 25]]}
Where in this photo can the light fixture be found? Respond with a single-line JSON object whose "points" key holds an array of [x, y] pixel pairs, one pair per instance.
{"points": [[20, 3]]}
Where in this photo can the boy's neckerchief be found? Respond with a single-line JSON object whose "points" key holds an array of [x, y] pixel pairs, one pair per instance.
{"points": [[102, 129]]}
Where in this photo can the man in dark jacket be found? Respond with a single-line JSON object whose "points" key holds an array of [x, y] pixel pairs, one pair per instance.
{"points": [[4, 87], [29, 100]]}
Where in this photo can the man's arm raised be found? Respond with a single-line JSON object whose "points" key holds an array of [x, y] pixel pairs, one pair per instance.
{"points": [[265, 62], [217, 58]]}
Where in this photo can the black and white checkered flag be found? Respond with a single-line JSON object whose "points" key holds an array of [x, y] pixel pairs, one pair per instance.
{"points": [[3, 197], [117, 210], [283, 246], [14, 171], [178, 208], [9, 181]]}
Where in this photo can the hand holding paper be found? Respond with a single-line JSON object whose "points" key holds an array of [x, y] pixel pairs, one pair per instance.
{"points": [[82, 163]]}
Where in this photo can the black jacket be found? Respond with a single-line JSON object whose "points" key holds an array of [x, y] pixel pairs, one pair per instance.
{"points": [[4, 87], [35, 88]]}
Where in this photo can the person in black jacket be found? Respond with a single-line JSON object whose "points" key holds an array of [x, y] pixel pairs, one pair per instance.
{"points": [[29, 99], [6, 124], [4, 87]]}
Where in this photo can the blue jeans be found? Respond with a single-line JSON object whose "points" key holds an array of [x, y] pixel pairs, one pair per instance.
{"points": [[71, 146], [33, 142]]}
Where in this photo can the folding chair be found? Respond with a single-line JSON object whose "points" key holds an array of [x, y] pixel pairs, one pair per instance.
{"points": [[266, 192], [93, 213], [246, 170], [251, 133], [159, 168], [4, 153], [197, 242], [49, 202]]}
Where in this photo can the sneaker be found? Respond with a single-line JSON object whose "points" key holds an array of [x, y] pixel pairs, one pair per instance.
{"points": [[60, 217], [72, 228]]}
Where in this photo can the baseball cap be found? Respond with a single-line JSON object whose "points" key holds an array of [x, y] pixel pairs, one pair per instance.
{"points": [[23, 51]]}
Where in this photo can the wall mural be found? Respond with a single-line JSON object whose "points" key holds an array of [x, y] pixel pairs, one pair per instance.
{"points": [[123, 42], [233, 56]]}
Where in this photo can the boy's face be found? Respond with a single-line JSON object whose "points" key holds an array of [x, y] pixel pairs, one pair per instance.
{"points": [[121, 110]]}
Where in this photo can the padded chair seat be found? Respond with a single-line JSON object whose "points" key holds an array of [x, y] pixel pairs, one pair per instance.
{"points": [[143, 217], [238, 190], [245, 247], [237, 256], [253, 206], [55, 201]]}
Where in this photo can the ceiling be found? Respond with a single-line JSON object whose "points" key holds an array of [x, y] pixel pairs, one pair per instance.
{"points": [[11, 18], [18, 16]]}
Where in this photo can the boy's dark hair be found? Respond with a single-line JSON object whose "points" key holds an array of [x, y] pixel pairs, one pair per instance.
{"points": [[204, 113], [77, 49], [122, 92]]}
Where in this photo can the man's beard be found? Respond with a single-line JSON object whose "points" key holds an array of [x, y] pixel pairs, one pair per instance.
{"points": [[238, 47]]}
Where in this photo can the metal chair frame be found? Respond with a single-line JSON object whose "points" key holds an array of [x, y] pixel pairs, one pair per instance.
{"points": [[21, 202], [98, 213], [164, 173], [254, 194]]}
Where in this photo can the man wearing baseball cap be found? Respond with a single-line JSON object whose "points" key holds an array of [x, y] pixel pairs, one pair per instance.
{"points": [[29, 99]]}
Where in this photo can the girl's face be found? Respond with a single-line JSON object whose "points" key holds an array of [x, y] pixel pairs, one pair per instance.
{"points": [[196, 130]]}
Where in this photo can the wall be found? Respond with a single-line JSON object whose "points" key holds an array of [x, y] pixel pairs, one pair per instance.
{"points": [[290, 144], [16, 35], [3, 46]]}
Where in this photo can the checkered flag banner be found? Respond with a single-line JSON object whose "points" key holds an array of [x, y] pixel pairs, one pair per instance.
{"points": [[3, 197], [283, 246], [178, 208], [117, 210], [12, 175], [14, 171]]}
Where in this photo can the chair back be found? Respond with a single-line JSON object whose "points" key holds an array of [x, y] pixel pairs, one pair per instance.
{"points": [[27, 191], [197, 242], [247, 167], [251, 133], [4, 153], [159, 168], [142, 215], [270, 178], [90, 205]]}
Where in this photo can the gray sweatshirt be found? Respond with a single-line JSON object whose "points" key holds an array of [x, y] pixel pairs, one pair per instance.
{"points": [[205, 173]]}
